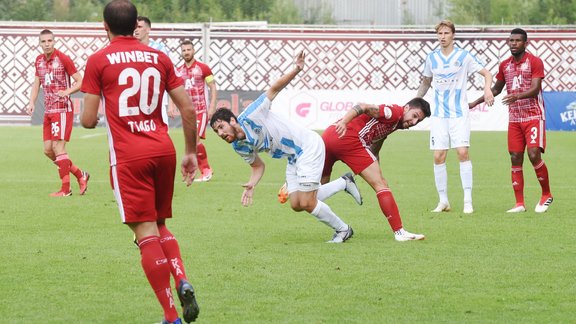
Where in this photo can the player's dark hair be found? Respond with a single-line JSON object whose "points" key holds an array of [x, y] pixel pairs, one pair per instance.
{"points": [[46, 32], [223, 114], [520, 31], [145, 19], [187, 42], [120, 16], [421, 104]]}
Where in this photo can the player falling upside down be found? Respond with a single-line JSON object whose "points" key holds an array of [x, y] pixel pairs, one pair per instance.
{"points": [[257, 129], [352, 140]]}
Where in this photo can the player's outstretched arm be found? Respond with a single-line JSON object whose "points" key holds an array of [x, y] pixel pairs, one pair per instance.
{"points": [[286, 78], [258, 168]]}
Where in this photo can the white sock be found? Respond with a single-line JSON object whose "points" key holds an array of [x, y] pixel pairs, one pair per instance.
{"points": [[466, 177], [324, 214], [328, 190], [441, 179]]}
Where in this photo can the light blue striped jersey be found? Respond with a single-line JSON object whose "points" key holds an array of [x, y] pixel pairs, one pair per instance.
{"points": [[450, 80], [159, 46], [268, 132]]}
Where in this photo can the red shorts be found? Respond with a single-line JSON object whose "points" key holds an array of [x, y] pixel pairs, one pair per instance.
{"points": [[348, 149], [144, 188], [526, 134], [58, 126], [202, 123]]}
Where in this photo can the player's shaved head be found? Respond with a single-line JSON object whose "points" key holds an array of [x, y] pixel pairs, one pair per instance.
{"points": [[520, 31], [120, 16]]}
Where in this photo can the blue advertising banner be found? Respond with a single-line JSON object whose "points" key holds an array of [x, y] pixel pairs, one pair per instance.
{"points": [[560, 110]]}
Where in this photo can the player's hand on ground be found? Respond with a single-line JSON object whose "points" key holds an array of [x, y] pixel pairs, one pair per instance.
{"points": [[299, 61], [247, 194], [189, 168], [340, 128]]}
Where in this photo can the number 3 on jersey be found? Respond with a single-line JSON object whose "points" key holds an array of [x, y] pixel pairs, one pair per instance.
{"points": [[140, 87]]}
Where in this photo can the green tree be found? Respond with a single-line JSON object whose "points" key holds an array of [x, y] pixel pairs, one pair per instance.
{"points": [[505, 12]]}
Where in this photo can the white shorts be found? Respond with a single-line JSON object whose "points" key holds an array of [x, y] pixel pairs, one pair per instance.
{"points": [[446, 133], [306, 172]]}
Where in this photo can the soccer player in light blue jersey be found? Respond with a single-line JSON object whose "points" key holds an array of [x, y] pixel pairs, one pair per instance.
{"points": [[446, 70], [257, 129], [142, 33]]}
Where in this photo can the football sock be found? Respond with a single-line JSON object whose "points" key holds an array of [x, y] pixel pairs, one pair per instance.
{"points": [[75, 170], [441, 180], [202, 156], [389, 208], [324, 214], [63, 164], [518, 184], [542, 175], [172, 251], [157, 271], [328, 190], [467, 179]]}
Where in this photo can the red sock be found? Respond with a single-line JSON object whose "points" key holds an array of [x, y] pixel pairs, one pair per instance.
{"points": [[75, 170], [63, 164], [202, 157], [157, 271], [542, 175], [518, 184], [389, 208], [172, 251]]}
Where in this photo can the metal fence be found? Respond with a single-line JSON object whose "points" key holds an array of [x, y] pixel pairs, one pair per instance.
{"points": [[249, 57]]}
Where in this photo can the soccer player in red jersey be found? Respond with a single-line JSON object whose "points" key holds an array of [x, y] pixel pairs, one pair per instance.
{"points": [[53, 72], [131, 78], [197, 79], [352, 140], [522, 73]]}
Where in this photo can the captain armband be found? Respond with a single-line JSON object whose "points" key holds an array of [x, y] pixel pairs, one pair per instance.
{"points": [[358, 110]]}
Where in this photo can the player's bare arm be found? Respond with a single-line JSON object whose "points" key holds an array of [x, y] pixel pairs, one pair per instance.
{"points": [[488, 96], [213, 97], [496, 90], [286, 78], [258, 168], [534, 90], [189, 164], [75, 86], [33, 96], [357, 110], [424, 86], [89, 115]]}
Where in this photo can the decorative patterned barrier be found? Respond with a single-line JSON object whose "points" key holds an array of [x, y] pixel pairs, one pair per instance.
{"points": [[249, 58]]}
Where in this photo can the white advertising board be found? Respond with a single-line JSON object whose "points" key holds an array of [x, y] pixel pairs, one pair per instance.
{"points": [[317, 109]]}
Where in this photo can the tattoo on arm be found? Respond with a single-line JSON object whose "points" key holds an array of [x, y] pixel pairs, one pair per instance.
{"points": [[373, 111]]}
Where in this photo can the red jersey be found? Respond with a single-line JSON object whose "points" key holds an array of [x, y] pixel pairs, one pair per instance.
{"points": [[54, 74], [371, 129], [518, 77], [131, 78], [195, 83]]}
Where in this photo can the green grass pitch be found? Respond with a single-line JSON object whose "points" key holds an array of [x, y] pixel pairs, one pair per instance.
{"points": [[71, 260]]}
